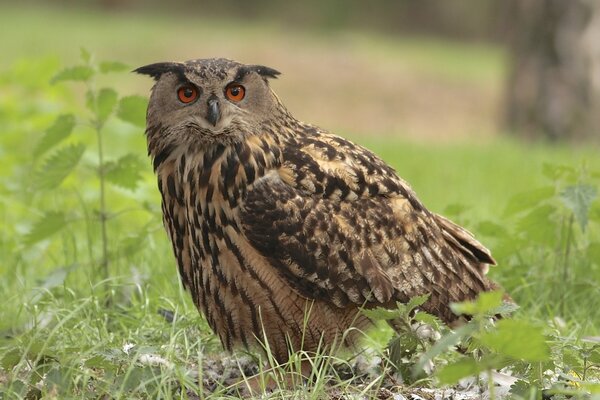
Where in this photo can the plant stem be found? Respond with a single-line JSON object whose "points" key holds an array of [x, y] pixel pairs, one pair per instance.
{"points": [[491, 387], [565, 271], [103, 215]]}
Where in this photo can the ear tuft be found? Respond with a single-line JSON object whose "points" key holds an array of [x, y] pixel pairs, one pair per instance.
{"points": [[264, 71], [157, 69]]}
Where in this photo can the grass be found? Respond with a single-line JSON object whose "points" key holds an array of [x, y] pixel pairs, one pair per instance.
{"points": [[66, 333]]}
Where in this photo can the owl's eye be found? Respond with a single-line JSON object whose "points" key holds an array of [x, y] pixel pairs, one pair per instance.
{"points": [[187, 94], [235, 92]]}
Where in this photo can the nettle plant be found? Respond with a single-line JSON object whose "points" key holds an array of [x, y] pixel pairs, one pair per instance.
{"points": [[73, 148]]}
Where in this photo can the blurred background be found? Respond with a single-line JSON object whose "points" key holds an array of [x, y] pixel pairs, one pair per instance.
{"points": [[427, 70]]}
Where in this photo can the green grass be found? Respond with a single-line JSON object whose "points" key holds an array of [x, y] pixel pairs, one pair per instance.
{"points": [[67, 331]]}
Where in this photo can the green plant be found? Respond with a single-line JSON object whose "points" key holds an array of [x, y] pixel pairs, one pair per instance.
{"points": [[101, 105]]}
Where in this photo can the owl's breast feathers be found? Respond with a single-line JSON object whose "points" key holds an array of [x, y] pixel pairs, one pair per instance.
{"points": [[311, 215]]}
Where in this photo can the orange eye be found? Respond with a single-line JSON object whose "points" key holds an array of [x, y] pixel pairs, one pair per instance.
{"points": [[235, 92], [187, 94]]}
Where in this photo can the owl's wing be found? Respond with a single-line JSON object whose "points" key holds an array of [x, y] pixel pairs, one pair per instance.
{"points": [[339, 225]]}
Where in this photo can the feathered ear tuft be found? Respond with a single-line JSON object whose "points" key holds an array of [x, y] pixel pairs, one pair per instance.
{"points": [[156, 70], [264, 71]]}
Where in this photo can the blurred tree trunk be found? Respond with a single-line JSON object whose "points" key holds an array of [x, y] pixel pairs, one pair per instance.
{"points": [[554, 84]]}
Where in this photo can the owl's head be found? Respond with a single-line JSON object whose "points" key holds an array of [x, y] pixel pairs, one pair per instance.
{"points": [[208, 100]]}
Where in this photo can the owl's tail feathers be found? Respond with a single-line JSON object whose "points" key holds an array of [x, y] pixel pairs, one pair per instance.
{"points": [[471, 280], [464, 241]]}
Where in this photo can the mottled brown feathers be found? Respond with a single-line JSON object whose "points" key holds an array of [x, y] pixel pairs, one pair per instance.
{"points": [[283, 231]]}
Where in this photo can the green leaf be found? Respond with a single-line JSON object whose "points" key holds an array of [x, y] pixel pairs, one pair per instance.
{"points": [[402, 347], [58, 379], [455, 209], [492, 229], [133, 244], [60, 130], [537, 225], [54, 279], [594, 213], [85, 55], [416, 301], [45, 227], [446, 342], [518, 340], [578, 198], [106, 102], [593, 252], [452, 373], [520, 388], [555, 172], [77, 73], [485, 304], [11, 358], [427, 319], [58, 166], [526, 200], [125, 172], [113, 66], [133, 109], [380, 313]]}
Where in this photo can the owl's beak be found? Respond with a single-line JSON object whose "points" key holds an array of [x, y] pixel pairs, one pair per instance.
{"points": [[214, 114]]}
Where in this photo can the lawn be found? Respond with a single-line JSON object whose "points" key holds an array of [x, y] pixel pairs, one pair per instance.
{"points": [[71, 328]]}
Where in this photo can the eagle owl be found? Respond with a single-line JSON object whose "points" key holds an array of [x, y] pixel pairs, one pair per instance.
{"points": [[283, 231]]}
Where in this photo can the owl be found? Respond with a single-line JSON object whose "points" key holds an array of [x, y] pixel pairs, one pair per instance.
{"points": [[282, 231]]}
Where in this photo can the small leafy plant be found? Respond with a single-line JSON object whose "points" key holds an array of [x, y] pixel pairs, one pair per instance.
{"points": [[65, 150]]}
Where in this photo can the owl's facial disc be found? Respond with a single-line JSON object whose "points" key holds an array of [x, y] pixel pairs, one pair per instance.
{"points": [[209, 100]]}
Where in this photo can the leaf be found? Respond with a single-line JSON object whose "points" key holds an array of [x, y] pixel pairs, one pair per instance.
{"points": [[402, 347], [380, 313], [492, 229], [134, 243], [427, 319], [58, 166], [455, 209], [106, 102], [125, 172], [133, 109], [462, 368], [518, 340], [86, 56], [11, 358], [77, 73], [49, 224], [54, 279], [112, 66], [594, 213], [485, 304], [57, 380], [416, 301], [60, 130], [447, 341], [526, 200], [578, 198], [554, 172], [537, 225], [520, 388], [593, 252]]}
